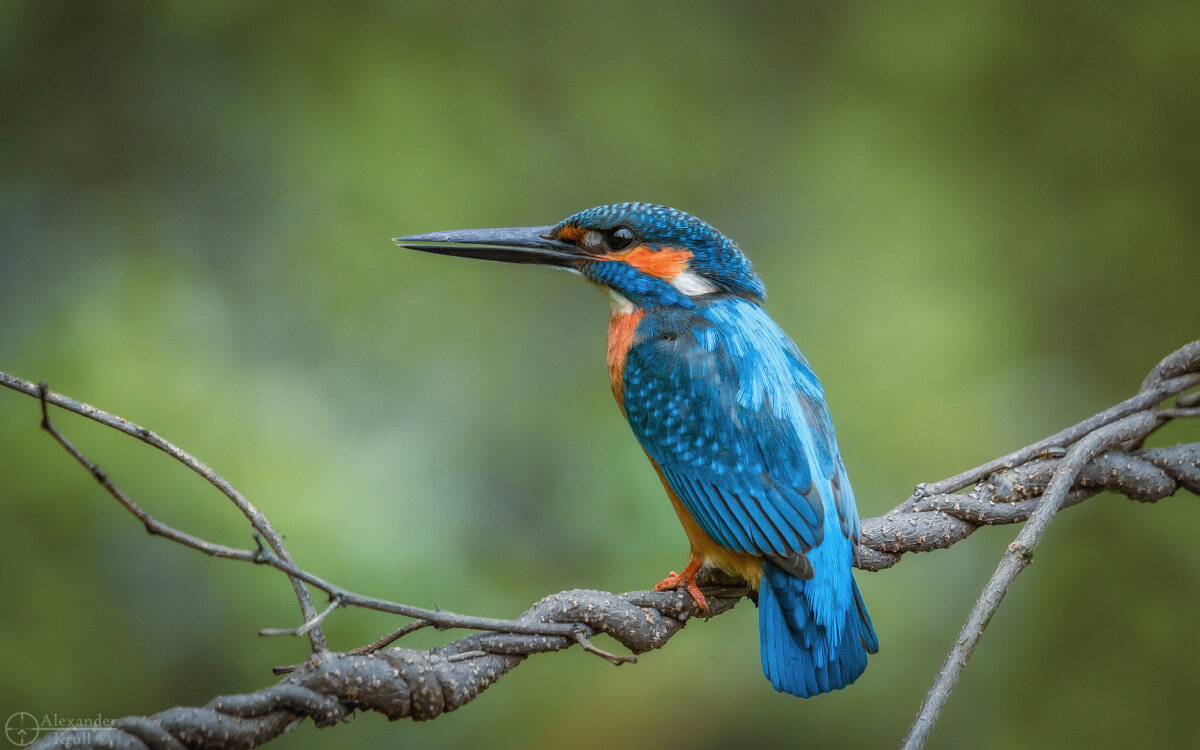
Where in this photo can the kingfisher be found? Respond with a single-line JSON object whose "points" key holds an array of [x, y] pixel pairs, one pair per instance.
{"points": [[731, 416]]}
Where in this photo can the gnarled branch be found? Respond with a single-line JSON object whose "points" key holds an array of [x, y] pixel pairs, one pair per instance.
{"points": [[1032, 483]]}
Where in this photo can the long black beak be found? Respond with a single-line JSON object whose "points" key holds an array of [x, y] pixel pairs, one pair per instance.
{"points": [[512, 245]]}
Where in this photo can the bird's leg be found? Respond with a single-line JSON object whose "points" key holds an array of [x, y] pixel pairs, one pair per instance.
{"points": [[686, 579]]}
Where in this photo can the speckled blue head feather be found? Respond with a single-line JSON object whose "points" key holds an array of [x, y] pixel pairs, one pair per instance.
{"points": [[714, 256]]}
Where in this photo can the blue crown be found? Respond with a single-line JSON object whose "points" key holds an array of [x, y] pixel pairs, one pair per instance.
{"points": [[714, 256]]}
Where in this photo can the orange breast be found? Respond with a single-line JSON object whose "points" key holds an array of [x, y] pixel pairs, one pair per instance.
{"points": [[621, 328]]}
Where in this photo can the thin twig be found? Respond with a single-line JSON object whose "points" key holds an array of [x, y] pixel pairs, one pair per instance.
{"points": [[256, 517], [1143, 400], [263, 555], [1015, 559], [582, 639], [941, 521], [1110, 428], [369, 648], [1179, 413], [153, 525], [302, 629], [442, 619], [392, 637]]}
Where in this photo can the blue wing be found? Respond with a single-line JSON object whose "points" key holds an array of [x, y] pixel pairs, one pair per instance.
{"points": [[727, 406]]}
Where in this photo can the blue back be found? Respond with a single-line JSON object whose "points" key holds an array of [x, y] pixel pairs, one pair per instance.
{"points": [[730, 410], [727, 406]]}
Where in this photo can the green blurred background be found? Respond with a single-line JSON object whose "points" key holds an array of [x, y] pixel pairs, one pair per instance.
{"points": [[981, 221]]}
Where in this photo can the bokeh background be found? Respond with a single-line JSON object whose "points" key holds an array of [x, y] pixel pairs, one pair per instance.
{"points": [[979, 220]]}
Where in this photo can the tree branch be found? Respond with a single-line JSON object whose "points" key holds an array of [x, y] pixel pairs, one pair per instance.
{"points": [[1018, 555], [1129, 429], [1100, 453], [259, 521]]}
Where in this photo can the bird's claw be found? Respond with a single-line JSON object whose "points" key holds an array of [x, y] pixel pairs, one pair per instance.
{"points": [[686, 579]]}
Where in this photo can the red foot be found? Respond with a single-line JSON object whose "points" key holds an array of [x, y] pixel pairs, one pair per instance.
{"points": [[686, 579]]}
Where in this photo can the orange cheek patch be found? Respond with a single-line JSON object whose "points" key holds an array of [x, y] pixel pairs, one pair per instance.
{"points": [[666, 263], [570, 234]]}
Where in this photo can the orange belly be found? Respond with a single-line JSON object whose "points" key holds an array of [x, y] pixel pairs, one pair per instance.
{"points": [[741, 564]]}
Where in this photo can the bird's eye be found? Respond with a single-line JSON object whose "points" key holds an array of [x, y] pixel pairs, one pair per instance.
{"points": [[620, 238]]}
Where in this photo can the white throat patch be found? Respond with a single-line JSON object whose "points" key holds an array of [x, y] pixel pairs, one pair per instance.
{"points": [[693, 284], [621, 304]]}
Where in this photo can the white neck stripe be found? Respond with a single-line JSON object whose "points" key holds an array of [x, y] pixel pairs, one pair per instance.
{"points": [[693, 284]]}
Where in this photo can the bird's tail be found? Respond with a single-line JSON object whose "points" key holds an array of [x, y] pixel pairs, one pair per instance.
{"points": [[814, 634]]}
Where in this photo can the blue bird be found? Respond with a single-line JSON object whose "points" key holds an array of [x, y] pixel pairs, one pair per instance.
{"points": [[730, 415]]}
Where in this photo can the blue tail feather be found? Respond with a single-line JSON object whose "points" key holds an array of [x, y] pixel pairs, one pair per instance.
{"points": [[807, 651], [866, 628]]}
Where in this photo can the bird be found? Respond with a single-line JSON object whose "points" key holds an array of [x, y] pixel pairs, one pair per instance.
{"points": [[731, 416]]}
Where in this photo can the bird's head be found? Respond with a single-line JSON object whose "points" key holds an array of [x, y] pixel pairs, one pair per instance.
{"points": [[645, 253]]}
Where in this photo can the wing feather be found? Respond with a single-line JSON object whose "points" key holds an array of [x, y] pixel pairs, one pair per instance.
{"points": [[729, 409]]}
